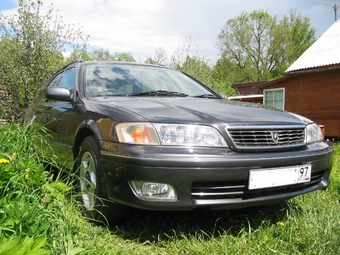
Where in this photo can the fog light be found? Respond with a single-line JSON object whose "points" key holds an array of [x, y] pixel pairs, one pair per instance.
{"points": [[154, 191]]}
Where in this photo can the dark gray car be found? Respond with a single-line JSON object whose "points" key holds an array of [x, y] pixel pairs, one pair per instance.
{"points": [[155, 138]]}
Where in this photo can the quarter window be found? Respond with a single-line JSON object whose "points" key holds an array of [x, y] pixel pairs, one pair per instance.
{"points": [[274, 98], [65, 79], [56, 80], [68, 80]]}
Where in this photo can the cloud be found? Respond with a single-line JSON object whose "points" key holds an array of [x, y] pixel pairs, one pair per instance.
{"points": [[121, 25]]}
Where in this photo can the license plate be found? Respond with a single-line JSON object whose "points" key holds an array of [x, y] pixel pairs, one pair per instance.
{"points": [[274, 177]]}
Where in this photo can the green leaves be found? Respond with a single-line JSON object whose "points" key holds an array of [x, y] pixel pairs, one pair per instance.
{"points": [[262, 46], [27, 246], [31, 45], [32, 206], [24, 218]]}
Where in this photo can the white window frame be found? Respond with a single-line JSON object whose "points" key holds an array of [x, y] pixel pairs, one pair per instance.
{"points": [[277, 89]]}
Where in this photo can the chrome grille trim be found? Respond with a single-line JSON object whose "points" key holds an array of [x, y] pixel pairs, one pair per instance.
{"points": [[266, 137]]}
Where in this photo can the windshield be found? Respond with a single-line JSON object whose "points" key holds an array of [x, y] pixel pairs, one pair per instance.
{"points": [[140, 80]]}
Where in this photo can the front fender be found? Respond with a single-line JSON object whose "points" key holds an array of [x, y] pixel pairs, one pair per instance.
{"points": [[101, 129]]}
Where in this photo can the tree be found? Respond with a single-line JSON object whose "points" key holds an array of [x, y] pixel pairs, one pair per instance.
{"points": [[160, 57], [195, 63], [192, 62], [31, 46], [258, 46], [102, 54], [224, 74]]}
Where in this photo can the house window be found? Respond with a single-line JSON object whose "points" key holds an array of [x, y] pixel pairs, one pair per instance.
{"points": [[274, 98]]}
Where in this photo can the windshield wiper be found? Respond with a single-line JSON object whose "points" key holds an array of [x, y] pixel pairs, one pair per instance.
{"points": [[206, 96], [160, 93]]}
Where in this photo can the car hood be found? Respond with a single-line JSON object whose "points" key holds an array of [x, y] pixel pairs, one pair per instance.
{"points": [[200, 111]]}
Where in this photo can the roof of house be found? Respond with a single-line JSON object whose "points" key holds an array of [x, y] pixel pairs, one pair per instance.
{"points": [[255, 83], [264, 86], [323, 52]]}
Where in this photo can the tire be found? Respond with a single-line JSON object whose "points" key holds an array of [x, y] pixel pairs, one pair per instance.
{"points": [[91, 185]]}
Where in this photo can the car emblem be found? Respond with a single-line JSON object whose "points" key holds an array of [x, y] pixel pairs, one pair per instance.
{"points": [[275, 136]]}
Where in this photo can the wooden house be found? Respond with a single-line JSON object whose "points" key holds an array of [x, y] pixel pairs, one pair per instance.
{"points": [[248, 92], [311, 85]]}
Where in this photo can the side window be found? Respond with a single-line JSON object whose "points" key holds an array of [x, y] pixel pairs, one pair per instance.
{"points": [[69, 78], [274, 98]]}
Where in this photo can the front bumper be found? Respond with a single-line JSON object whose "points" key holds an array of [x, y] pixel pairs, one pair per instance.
{"points": [[206, 177]]}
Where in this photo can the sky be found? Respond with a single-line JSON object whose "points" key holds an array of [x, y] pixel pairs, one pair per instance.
{"points": [[139, 27]]}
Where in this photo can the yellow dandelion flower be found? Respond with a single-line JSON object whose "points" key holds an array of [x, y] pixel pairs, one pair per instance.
{"points": [[4, 161], [281, 224], [14, 155]]}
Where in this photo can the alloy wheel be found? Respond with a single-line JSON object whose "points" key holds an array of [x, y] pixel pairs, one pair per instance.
{"points": [[88, 183]]}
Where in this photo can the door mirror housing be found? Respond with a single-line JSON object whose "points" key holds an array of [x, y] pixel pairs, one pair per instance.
{"points": [[58, 93]]}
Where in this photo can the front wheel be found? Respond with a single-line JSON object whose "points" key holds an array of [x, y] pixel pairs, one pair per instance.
{"points": [[92, 186]]}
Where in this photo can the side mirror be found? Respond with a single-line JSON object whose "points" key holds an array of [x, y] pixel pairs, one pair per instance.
{"points": [[58, 93]]}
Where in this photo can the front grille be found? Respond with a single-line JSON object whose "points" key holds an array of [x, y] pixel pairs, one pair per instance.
{"points": [[233, 190], [266, 137]]}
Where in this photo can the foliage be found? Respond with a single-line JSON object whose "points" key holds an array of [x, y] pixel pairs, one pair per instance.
{"points": [[160, 57], [192, 62], [31, 44], [100, 55], [34, 205], [257, 46], [105, 55], [335, 187], [27, 246], [224, 74]]}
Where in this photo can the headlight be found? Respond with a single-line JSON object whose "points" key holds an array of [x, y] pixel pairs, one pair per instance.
{"points": [[169, 134], [190, 135], [137, 133], [313, 133]]}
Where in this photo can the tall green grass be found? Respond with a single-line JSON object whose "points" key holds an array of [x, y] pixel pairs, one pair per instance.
{"points": [[335, 176], [40, 215], [35, 207]]}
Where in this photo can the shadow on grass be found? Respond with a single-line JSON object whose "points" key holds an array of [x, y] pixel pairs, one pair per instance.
{"points": [[154, 226]]}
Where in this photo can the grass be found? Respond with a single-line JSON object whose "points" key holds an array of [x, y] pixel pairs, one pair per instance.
{"points": [[41, 216]]}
